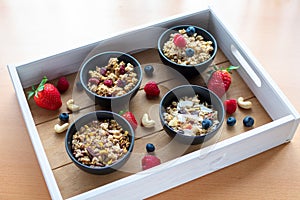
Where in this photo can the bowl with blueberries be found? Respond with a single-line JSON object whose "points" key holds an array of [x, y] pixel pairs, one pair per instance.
{"points": [[191, 114], [188, 49]]}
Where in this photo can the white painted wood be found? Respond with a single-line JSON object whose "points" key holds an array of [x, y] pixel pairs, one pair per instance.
{"points": [[269, 94], [34, 136], [142, 37], [190, 166], [195, 164]]}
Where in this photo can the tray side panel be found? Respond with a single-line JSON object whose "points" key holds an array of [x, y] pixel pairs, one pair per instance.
{"points": [[127, 41], [261, 84], [35, 139], [196, 164]]}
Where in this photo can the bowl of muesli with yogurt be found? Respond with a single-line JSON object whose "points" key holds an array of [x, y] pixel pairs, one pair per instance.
{"points": [[191, 114], [99, 142], [111, 78], [188, 49]]}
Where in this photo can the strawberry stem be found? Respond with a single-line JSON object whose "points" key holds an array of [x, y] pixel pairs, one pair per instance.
{"points": [[230, 68], [40, 88]]}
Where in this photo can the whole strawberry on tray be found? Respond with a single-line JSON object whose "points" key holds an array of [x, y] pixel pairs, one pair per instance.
{"points": [[220, 80], [46, 95]]}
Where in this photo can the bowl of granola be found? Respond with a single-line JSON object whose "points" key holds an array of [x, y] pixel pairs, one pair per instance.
{"points": [[99, 142], [191, 114], [188, 49], [111, 78]]}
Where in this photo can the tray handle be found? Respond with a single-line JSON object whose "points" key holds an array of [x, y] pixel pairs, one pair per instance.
{"points": [[235, 52]]}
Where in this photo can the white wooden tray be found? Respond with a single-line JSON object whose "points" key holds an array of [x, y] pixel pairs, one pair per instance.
{"points": [[281, 129]]}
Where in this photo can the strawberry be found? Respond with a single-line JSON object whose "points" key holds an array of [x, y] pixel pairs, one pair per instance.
{"points": [[46, 95], [150, 161], [130, 118], [62, 84], [230, 106], [220, 80], [151, 89]]}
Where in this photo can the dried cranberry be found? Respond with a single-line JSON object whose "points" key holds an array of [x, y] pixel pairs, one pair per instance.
{"points": [[94, 81], [121, 83], [103, 71], [122, 69]]}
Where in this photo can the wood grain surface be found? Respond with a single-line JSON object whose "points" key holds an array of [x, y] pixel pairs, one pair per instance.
{"points": [[31, 30]]}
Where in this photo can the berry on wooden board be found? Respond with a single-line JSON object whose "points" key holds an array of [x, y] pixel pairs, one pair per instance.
{"points": [[62, 84], [248, 121], [230, 106], [149, 70], [64, 117], [150, 147], [220, 80], [231, 121], [130, 118], [46, 95], [150, 161], [151, 89]]}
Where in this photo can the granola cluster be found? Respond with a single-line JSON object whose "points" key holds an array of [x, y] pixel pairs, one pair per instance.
{"points": [[115, 79], [100, 143], [186, 116]]}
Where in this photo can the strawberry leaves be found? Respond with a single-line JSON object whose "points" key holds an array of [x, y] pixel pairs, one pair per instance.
{"points": [[40, 88], [46, 95]]}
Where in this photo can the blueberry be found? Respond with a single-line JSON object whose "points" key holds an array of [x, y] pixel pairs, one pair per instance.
{"points": [[79, 86], [248, 121], [64, 117], [231, 121], [149, 70], [206, 123], [190, 30], [150, 147], [189, 52]]}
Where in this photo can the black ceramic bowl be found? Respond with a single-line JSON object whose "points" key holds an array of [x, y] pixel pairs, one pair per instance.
{"points": [[98, 115], [187, 70], [101, 60], [204, 95]]}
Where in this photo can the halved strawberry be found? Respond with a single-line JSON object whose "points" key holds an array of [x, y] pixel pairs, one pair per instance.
{"points": [[150, 161], [130, 118], [220, 80], [46, 95]]}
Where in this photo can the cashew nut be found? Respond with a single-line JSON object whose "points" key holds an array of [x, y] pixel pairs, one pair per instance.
{"points": [[147, 122], [71, 106], [244, 104], [61, 128]]}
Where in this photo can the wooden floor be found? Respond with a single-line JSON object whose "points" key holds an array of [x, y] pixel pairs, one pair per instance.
{"points": [[73, 181]]}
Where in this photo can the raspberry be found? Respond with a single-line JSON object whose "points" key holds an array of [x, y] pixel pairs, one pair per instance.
{"points": [[230, 106], [150, 161], [151, 89], [179, 41], [62, 84]]}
